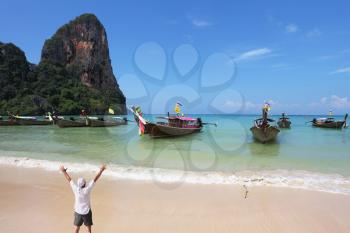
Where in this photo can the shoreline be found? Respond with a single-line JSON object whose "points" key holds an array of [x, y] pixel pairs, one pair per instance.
{"points": [[41, 201], [297, 179]]}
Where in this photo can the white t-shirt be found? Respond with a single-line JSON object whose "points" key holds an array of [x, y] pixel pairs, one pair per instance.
{"points": [[82, 197]]}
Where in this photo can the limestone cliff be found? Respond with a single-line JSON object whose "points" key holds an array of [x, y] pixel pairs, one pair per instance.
{"points": [[81, 47], [74, 73]]}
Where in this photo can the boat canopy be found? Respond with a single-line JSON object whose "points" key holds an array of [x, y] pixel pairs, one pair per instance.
{"points": [[323, 119], [26, 117], [182, 118]]}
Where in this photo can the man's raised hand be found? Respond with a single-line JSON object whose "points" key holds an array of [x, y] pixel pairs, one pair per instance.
{"points": [[62, 168], [64, 171], [103, 167]]}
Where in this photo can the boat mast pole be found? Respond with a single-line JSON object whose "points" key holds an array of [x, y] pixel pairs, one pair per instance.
{"points": [[264, 116]]}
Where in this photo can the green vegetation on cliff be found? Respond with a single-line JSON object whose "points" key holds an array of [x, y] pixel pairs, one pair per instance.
{"points": [[74, 73], [15, 77], [34, 90]]}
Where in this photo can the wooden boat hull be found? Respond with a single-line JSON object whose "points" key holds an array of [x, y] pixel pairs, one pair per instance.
{"points": [[176, 125], [34, 122], [69, 123], [330, 125], [159, 130], [100, 123], [265, 134], [284, 124], [8, 122]]}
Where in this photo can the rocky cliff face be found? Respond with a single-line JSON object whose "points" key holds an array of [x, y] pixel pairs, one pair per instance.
{"points": [[74, 73], [81, 46]]}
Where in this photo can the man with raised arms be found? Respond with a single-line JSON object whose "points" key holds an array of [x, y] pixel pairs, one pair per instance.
{"points": [[82, 191]]}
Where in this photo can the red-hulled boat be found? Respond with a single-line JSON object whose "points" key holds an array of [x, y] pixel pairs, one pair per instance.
{"points": [[170, 126]]}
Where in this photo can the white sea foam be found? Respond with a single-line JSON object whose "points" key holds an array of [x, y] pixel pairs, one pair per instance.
{"points": [[333, 183]]}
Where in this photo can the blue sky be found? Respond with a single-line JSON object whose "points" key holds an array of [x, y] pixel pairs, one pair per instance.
{"points": [[294, 54]]}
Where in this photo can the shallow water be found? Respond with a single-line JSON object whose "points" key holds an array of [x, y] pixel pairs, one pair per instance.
{"points": [[226, 148]]}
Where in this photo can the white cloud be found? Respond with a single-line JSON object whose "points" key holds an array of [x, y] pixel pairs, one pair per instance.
{"points": [[250, 105], [198, 22], [253, 54], [201, 23], [291, 28], [276, 107], [233, 104], [339, 102], [333, 101], [258, 106], [272, 102], [314, 33], [227, 101], [323, 100], [341, 70]]}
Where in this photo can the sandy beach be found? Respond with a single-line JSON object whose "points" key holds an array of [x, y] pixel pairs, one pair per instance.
{"points": [[36, 200]]}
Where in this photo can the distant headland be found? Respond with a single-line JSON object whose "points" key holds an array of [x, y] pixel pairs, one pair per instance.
{"points": [[74, 73]]}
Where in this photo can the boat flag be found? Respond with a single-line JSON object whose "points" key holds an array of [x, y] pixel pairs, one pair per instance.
{"points": [[178, 107], [141, 128], [267, 106], [111, 111], [141, 125], [50, 117]]}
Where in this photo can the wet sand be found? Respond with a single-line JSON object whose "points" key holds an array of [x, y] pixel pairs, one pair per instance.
{"points": [[36, 200]]}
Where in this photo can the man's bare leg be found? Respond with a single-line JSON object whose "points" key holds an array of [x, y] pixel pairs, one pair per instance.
{"points": [[77, 229], [89, 228]]}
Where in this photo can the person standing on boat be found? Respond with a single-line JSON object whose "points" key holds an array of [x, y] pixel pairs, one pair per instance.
{"points": [[82, 191]]}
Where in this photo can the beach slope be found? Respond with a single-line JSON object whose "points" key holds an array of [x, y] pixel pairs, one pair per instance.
{"points": [[36, 200]]}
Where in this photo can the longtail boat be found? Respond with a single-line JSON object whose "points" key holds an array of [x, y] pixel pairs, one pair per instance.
{"points": [[49, 117], [101, 122], [170, 127], [8, 122], [329, 122], [262, 130], [284, 122], [72, 122], [30, 120]]}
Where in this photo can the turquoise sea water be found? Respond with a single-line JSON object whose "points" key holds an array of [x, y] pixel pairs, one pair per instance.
{"points": [[226, 148]]}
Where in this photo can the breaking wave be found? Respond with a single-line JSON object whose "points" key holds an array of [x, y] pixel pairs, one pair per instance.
{"points": [[333, 183]]}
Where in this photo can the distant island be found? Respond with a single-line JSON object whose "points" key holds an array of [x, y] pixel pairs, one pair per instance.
{"points": [[74, 73]]}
